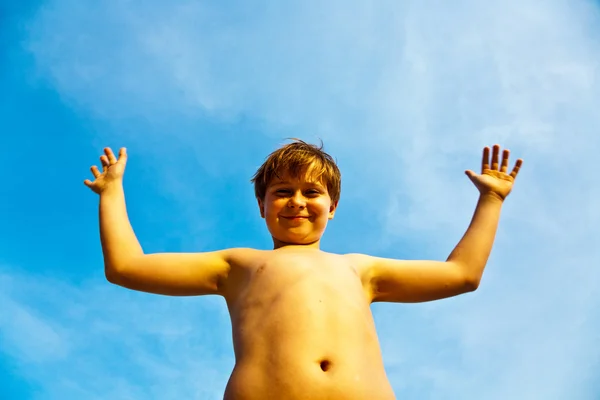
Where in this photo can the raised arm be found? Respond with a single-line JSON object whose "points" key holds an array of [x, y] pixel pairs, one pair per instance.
{"points": [[416, 281], [125, 263]]}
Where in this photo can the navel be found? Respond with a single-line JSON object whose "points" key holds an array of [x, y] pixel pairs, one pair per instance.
{"points": [[325, 365]]}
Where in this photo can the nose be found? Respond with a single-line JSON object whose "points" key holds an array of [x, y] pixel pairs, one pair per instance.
{"points": [[297, 200]]}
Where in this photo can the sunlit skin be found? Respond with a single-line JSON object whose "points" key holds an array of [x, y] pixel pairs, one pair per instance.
{"points": [[494, 179], [302, 326]]}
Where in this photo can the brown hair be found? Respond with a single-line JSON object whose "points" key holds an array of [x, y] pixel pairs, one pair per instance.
{"points": [[294, 159]]}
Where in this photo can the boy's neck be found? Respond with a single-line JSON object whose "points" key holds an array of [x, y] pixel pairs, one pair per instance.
{"points": [[277, 244]]}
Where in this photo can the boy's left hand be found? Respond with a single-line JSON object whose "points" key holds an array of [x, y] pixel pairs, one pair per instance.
{"points": [[495, 180]]}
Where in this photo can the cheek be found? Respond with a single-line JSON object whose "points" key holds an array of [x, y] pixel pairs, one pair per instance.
{"points": [[273, 207], [324, 205]]}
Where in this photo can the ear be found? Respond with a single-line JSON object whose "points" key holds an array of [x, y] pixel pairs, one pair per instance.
{"points": [[261, 207], [332, 209]]}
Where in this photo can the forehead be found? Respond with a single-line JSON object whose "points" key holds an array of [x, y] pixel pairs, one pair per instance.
{"points": [[287, 180], [308, 176]]}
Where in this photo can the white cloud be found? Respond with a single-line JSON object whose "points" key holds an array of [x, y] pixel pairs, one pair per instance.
{"points": [[407, 94]]}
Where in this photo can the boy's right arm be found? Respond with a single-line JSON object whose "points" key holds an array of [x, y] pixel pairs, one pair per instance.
{"points": [[175, 274], [125, 264]]}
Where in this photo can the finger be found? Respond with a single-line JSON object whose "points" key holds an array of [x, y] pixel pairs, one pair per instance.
{"points": [[95, 171], [104, 161], [110, 156], [123, 154], [87, 183], [505, 155], [517, 167], [485, 160], [495, 153]]}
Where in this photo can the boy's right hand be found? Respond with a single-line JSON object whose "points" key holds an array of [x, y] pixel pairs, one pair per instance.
{"points": [[112, 173]]}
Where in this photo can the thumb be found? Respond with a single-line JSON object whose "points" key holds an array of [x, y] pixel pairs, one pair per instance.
{"points": [[470, 174]]}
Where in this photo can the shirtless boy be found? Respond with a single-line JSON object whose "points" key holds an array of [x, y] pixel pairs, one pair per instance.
{"points": [[301, 320]]}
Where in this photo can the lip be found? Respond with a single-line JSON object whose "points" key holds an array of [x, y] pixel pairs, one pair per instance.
{"points": [[295, 217]]}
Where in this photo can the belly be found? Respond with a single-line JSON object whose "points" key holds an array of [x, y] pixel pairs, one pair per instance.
{"points": [[306, 344], [296, 381]]}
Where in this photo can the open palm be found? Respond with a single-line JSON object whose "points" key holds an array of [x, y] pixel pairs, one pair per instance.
{"points": [[494, 178], [113, 170]]}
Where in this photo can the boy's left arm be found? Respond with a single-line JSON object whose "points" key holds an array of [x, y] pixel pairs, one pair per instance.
{"points": [[411, 281]]}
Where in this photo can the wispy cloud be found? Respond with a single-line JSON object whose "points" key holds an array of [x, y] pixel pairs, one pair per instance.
{"points": [[95, 341], [405, 96], [422, 85]]}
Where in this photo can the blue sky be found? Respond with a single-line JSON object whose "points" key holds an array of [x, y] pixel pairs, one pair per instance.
{"points": [[403, 95]]}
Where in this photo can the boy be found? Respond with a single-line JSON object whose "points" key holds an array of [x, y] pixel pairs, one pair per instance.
{"points": [[301, 320]]}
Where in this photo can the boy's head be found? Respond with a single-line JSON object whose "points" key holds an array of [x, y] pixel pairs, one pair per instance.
{"points": [[298, 188]]}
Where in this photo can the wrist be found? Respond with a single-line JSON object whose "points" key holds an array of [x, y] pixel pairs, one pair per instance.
{"points": [[112, 189], [491, 197]]}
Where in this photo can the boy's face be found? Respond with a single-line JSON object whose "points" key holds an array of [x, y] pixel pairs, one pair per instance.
{"points": [[296, 210]]}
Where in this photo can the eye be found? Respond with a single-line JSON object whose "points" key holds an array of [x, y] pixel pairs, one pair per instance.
{"points": [[282, 191]]}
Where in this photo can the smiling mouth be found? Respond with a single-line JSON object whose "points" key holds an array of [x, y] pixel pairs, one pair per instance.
{"points": [[296, 217]]}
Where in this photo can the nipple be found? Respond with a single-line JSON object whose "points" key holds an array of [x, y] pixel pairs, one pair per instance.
{"points": [[325, 365]]}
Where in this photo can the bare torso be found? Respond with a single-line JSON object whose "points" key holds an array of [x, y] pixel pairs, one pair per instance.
{"points": [[302, 328]]}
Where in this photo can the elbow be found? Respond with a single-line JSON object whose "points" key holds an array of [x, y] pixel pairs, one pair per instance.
{"points": [[115, 272], [111, 275], [471, 283], [465, 277]]}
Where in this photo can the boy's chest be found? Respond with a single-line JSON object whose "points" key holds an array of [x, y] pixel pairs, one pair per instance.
{"points": [[309, 270], [293, 279]]}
